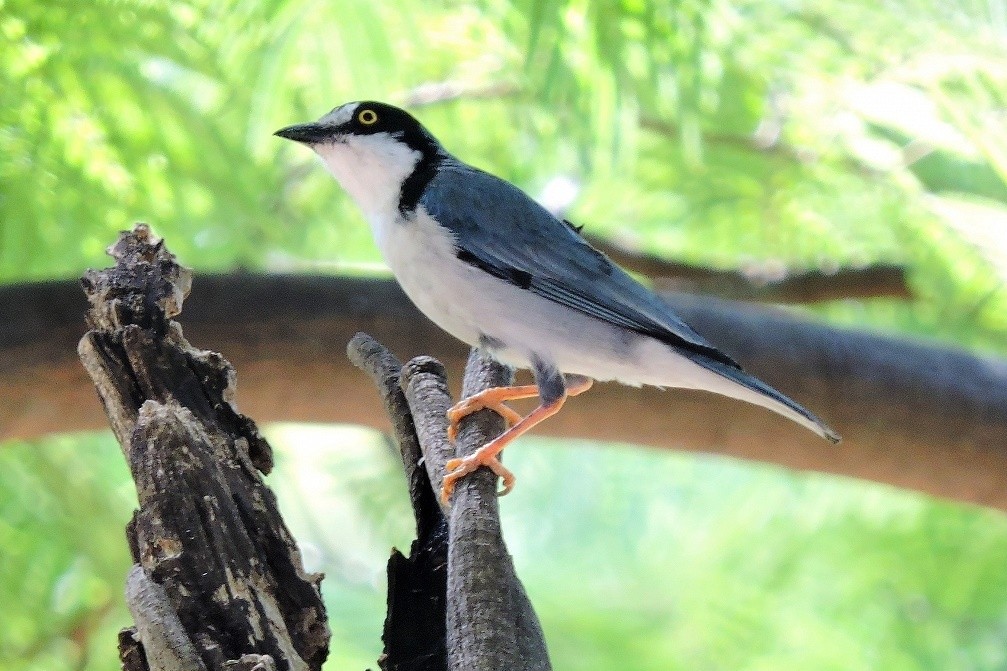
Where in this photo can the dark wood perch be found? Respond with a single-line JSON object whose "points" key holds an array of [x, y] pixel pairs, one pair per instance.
{"points": [[217, 581], [455, 603]]}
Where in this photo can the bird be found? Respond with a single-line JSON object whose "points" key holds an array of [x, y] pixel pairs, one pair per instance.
{"points": [[491, 266]]}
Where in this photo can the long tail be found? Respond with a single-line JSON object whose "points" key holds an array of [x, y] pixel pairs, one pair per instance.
{"points": [[758, 392]]}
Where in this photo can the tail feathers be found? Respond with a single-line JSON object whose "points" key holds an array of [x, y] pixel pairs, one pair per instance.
{"points": [[758, 392]]}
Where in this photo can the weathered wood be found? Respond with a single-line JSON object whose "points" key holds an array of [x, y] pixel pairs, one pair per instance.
{"points": [[218, 581], [415, 635], [166, 643], [491, 623], [459, 586]]}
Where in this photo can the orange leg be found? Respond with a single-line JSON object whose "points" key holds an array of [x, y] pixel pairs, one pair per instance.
{"points": [[487, 454], [493, 399]]}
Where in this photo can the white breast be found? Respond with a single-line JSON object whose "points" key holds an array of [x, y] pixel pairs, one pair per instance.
{"points": [[422, 255], [471, 304], [371, 168]]}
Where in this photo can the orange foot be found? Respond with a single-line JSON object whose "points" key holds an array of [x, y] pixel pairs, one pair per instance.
{"points": [[492, 399], [487, 455], [459, 468]]}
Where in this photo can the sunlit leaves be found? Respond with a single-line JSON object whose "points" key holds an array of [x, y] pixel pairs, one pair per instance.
{"points": [[789, 132], [63, 504]]}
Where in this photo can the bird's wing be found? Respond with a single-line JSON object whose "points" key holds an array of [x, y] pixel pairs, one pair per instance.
{"points": [[519, 241]]}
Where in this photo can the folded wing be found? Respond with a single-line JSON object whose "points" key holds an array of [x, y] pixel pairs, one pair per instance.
{"points": [[520, 242]]}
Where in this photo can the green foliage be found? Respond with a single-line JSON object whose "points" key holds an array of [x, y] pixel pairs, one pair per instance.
{"points": [[721, 132], [63, 505], [791, 133], [635, 559]]}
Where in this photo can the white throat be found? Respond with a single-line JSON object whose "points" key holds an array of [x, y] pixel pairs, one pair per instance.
{"points": [[371, 168]]}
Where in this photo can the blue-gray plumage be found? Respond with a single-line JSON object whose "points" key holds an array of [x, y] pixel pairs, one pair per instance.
{"points": [[495, 269], [529, 247]]}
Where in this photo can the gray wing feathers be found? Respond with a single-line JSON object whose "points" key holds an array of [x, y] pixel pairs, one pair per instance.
{"points": [[519, 241]]}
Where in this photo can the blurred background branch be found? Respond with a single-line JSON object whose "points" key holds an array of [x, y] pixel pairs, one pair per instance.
{"points": [[944, 411], [752, 145], [767, 283]]}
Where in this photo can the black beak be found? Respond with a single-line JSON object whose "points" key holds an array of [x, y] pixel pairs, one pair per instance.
{"points": [[308, 133]]}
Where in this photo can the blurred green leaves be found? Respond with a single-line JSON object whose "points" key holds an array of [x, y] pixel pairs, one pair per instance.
{"points": [[63, 504], [727, 133]]}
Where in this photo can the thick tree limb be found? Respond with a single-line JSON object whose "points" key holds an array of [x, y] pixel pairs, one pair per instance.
{"points": [[218, 581], [914, 415], [501, 631], [764, 284]]}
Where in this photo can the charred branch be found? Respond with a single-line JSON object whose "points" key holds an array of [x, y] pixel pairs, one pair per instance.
{"points": [[217, 581]]}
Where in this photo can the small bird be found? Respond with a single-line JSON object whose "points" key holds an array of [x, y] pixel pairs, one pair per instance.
{"points": [[496, 270]]}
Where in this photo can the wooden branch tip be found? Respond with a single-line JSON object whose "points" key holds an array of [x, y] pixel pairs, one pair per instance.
{"points": [[146, 285], [386, 372], [414, 633], [489, 620], [424, 383], [218, 575]]}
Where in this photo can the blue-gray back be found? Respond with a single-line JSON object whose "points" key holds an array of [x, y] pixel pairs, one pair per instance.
{"points": [[504, 232]]}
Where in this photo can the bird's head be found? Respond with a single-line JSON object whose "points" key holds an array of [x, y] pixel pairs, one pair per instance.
{"points": [[371, 148]]}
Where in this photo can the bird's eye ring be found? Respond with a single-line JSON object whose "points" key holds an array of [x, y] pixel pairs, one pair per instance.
{"points": [[368, 117]]}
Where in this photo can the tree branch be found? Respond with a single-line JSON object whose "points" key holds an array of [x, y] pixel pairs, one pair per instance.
{"points": [[762, 283], [501, 632], [415, 631], [480, 615], [218, 579], [915, 415]]}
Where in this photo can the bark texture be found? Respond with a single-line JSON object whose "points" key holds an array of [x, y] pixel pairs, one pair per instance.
{"points": [[912, 414], [218, 581], [487, 604], [456, 602], [415, 631]]}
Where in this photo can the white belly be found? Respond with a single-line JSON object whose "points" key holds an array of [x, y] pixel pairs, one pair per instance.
{"points": [[474, 306], [422, 256]]}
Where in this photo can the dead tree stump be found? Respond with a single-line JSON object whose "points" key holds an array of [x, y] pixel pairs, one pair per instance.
{"points": [[218, 581]]}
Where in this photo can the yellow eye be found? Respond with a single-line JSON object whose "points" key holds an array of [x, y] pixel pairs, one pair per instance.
{"points": [[368, 117]]}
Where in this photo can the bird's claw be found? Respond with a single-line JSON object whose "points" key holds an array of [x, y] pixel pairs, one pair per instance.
{"points": [[459, 468], [467, 406], [487, 455]]}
